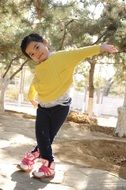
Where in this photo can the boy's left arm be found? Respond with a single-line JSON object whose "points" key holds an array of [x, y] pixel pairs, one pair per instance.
{"points": [[72, 58]]}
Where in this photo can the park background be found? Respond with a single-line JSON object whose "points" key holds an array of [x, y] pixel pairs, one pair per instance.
{"points": [[84, 150]]}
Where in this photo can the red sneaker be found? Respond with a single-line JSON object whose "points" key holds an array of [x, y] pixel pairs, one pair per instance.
{"points": [[28, 161], [45, 171]]}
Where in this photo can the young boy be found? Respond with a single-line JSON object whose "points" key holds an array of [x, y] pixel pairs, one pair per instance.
{"points": [[51, 83]]}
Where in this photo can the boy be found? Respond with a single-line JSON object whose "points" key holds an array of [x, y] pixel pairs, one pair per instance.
{"points": [[53, 78]]}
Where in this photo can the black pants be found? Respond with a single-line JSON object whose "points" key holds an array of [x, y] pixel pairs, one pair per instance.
{"points": [[48, 123]]}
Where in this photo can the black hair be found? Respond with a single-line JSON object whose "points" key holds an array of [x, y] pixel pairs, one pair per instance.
{"points": [[30, 38]]}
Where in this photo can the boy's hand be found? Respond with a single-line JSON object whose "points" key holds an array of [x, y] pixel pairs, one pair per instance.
{"points": [[108, 48], [34, 103]]}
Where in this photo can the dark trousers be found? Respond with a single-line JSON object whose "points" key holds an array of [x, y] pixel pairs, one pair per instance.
{"points": [[48, 123]]}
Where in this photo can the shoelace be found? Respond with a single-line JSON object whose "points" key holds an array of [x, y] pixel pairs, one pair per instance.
{"points": [[45, 170], [28, 161], [29, 158]]}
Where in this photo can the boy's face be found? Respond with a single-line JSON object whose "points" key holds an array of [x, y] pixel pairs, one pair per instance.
{"points": [[37, 51]]}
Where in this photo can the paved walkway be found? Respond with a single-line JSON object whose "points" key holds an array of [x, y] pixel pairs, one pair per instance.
{"points": [[74, 178], [68, 176]]}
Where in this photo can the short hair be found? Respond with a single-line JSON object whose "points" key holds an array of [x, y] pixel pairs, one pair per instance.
{"points": [[30, 38]]}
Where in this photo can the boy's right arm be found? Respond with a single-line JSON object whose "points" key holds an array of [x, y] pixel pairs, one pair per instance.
{"points": [[32, 95], [34, 103]]}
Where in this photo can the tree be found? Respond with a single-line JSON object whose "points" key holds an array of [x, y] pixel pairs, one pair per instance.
{"points": [[109, 27], [74, 24], [121, 123], [9, 45]]}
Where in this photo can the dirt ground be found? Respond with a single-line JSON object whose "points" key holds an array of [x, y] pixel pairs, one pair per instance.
{"points": [[81, 144]]}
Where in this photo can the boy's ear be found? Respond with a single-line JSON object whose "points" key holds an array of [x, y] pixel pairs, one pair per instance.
{"points": [[45, 42]]}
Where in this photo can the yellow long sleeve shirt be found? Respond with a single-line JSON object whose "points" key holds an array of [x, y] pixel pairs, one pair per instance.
{"points": [[54, 76]]}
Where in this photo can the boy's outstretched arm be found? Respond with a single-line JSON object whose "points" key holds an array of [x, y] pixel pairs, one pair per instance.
{"points": [[108, 48], [72, 58]]}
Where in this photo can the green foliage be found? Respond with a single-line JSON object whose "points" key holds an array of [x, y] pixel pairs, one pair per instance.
{"points": [[73, 24]]}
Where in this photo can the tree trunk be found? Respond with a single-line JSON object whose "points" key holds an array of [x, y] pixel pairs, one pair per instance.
{"points": [[3, 86], [91, 90], [107, 87], [4, 81], [37, 4], [84, 104], [21, 87], [121, 123]]}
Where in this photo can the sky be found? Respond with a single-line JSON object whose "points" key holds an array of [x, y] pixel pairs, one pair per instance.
{"points": [[97, 10]]}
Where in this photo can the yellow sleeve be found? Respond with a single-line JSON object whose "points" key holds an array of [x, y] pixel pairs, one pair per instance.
{"points": [[74, 57], [32, 92]]}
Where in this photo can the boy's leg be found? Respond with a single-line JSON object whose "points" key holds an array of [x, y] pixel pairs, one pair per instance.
{"points": [[36, 148], [43, 139], [48, 123], [42, 133], [58, 116]]}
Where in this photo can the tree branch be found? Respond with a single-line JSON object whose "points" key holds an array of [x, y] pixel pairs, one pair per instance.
{"points": [[104, 34], [9, 66], [111, 28], [18, 70], [64, 33], [62, 41], [37, 4]]}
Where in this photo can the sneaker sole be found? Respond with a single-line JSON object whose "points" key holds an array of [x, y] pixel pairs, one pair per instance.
{"points": [[43, 177], [23, 170], [46, 179]]}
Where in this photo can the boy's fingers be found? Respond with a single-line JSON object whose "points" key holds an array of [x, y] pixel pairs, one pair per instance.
{"points": [[108, 48], [113, 49]]}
